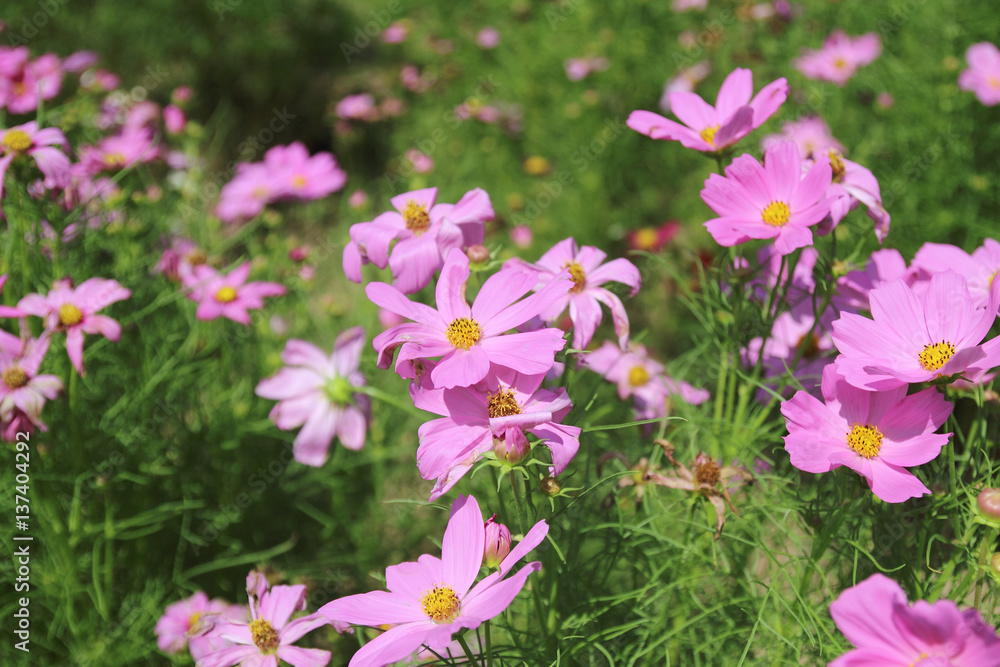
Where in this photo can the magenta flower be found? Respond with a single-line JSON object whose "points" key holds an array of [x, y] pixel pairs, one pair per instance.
{"points": [[769, 201], [269, 636], [24, 83], [317, 391], [469, 340], [493, 416], [840, 57], [175, 629], [584, 300], [247, 194], [128, 148], [300, 176], [230, 295], [979, 269], [983, 75], [913, 339], [46, 147], [23, 391], [424, 233], [888, 631], [431, 599], [876, 434], [74, 310], [713, 129]]}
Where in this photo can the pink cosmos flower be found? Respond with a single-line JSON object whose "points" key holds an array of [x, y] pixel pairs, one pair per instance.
{"points": [[422, 163], [811, 134], [46, 147], [641, 377], [179, 259], [488, 38], [770, 201], [125, 149], [469, 340], [852, 185], [431, 599], [713, 129], [247, 194], [424, 233], [876, 434], [357, 107], [181, 618], [395, 33], [79, 61], [983, 74], [357, 199], [884, 266], [229, 296], [269, 636], [797, 344], [23, 391], [840, 57], [584, 300], [888, 631], [74, 310], [979, 269], [495, 415], [24, 83], [578, 69], [684, 81], [684, 5], [300, 176], [913, 339], [317, 391]]}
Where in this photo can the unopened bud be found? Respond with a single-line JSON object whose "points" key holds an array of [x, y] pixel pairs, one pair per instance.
{"points": [[497, 543], [549, 486], [513, 447], [478, 254], [988, 502]]}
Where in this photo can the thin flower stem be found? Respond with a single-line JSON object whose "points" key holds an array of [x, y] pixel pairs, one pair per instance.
{"points": [[489, 645], [517, 501], [468, 651]]}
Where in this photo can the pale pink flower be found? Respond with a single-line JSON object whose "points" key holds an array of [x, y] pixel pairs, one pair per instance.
{"points": [[685, 5], [775, 200], [852, 185], [247, 194], [179, 259], [470, 339], [488, 38], [587, 269], [811, 134], [317, 391], [979, 269], [877, 434], [521, 236], [229, 296], [431, 599], [180, 619], [983, 74], [127, 148], [23, 391], [796, 343], [356, 107], [395, 33], [174, 119], [269, 636], [79, 61], [357, 199], [713, 129], [299, 176], [422, 163], [74, 311], [888, 631], [883, 266], [46, 147], [840, 57]]}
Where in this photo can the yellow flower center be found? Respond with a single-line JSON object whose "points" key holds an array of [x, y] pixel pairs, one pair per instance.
{"points": [[936, 355], [865, 440], [503, 404], [463, 332], [646, 238], [114, 160], [776, 214], [440, 604], [707, 473], [193, 619], [840, 63], [15, 377], [416, 217], [638, 376], [265, 637], [708, 134], [17, 140], [69, 315], [837, 165], [576, 273], [225, 295], [299, 181]]}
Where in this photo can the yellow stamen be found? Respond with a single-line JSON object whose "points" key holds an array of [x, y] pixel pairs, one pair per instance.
{"points": [[503, 404], [69, 315], [17, 140], [776, 214], [840, 63], [416, 217], [837, 165], [15, 377], [936, 355], [708, 134], [225, 295], [638, 376], [463, 332], [114, 160], [265, 637], [576, 273], [865, 440], [194, 619], [440, 604], [299, 181]]}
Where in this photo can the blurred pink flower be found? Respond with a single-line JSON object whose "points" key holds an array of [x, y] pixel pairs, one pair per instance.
{"points": [[357, 199], [840, 57], [46, 147], [888, 631], [876, 434], [811, 134], [174, 119], [684, 5], [79, 61], [521, 236], [229, 296], [74, 310], [488, 38], [317, 391], [429, 600], [471, 339], [395, 33], [796, 343], [24, 82], [421, 162], [356, 107], [183, 617], [578, 69], [684, 81], [983, 74], [712, 129], [775, 200], [884, 266], [125, 149], [179, 259], [22, 390]]}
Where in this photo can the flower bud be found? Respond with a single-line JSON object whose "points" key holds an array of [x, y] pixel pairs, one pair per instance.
{"points": [[478, 254], [549, 486], [988, 503], [513, 447], [497, 543]]}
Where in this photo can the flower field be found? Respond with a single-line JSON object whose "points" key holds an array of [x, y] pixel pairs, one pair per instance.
{"points": [[525, 333]]}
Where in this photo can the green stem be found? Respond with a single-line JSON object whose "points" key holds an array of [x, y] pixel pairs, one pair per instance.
{"points": [[517, 501], [489, 646], [468, 651], [990, 538]]}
